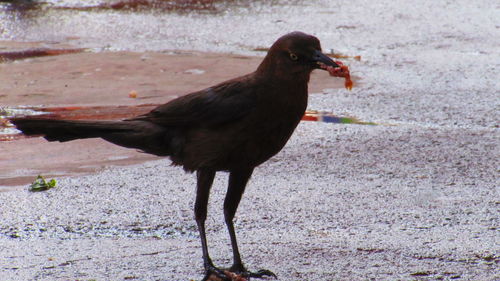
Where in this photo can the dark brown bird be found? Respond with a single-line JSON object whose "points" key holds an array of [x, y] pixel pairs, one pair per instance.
{"points": [[233, 126]]}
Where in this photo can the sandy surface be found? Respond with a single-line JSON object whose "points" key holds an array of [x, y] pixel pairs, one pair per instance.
{"points": [[339, 203], [413, 198]]}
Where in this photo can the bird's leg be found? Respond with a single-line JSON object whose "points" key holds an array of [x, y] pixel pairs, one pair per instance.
{"points": [[237, 182], [205, 178]]}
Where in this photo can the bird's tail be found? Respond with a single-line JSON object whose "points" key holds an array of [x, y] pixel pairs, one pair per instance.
{"points": [[142, 135]]}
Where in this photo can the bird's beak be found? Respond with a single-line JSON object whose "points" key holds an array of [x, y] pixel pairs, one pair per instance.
{"points": [[322, 61]]}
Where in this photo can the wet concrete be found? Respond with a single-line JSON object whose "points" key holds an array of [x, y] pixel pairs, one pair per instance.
{"points": [[99, 86], [85, 156]]}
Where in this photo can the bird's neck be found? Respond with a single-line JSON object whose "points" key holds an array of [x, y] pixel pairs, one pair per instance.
{"points": [[276, 72]]}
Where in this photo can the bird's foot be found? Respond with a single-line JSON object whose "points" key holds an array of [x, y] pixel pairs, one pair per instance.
{"points": [[263, 273], [235, 273], [213, 273], [240, 270]]}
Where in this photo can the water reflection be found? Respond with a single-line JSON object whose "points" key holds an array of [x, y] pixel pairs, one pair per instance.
{"points": [[211, 6], [37, 52], [7, 131]]}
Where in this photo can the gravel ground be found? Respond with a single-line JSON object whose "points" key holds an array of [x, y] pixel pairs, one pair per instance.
{"points": [[341, 202], [412, 198]]}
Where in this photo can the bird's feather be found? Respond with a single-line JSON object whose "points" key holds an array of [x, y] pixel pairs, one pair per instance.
{"points": [[215, 106]]}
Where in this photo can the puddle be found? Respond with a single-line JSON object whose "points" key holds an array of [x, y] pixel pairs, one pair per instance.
{"points": [[327, 117], [8, 131], [210, 6], [38, 52], [159, 5]]}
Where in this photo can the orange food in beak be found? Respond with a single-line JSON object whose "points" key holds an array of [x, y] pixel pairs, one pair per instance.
{"points": [[342, 71]]}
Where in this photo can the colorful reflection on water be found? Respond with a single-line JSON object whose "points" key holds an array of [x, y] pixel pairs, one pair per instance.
{"points": [[8, 131]]}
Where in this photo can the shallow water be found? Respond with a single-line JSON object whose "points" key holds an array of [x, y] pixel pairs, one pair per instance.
{"points": [[8, 132]]}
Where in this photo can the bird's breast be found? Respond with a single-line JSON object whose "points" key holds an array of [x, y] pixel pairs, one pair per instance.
{"points": [[272, 126], [251, 140]]}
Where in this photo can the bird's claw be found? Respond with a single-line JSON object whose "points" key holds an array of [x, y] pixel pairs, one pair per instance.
{"points": [[213, 273], [263, 273], [243, 272]]}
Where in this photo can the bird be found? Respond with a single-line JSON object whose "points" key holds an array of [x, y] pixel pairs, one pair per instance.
{"points": [[231, 127]]}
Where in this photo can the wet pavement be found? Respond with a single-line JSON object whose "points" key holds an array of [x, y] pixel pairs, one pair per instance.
{"points": [[78, 86], [413, 198]]}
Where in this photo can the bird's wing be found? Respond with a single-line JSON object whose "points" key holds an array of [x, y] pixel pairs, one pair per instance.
{"points": [[224, 103]]}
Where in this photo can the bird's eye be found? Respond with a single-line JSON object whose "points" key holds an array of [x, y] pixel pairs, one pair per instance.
{"points": [[293, 56]]}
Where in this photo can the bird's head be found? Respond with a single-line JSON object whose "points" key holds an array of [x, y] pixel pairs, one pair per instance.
{"points": [[296, 53]]}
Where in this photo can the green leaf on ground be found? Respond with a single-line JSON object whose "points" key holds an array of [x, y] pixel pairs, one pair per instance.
{"points": [[40, 184]]}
